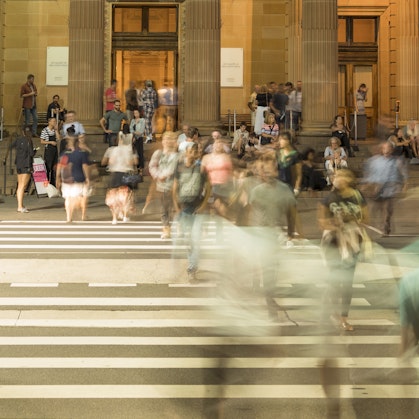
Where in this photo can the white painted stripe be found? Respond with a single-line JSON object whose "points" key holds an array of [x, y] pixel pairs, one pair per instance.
{"points": [[104, 230], [195, 341], [110, 284], [34, 284], [84, 232], [323, 285], [198, 362], [30, 319], [81, 239], [197, 285], [52, 225], [104, 247], [69, 301], [127, 301], [205, 391]]}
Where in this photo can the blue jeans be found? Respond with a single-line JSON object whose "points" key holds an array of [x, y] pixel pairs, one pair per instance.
{"points": [[34, 113], [191, 227]]}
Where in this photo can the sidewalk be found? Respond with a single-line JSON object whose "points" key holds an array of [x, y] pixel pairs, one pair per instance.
{"points": [[405, 215]]}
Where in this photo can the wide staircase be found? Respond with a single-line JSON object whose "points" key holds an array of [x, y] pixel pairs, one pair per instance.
{"points": [[363, 150]]}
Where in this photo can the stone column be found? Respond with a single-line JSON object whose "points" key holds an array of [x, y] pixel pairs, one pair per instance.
{"points": [[86, 60], [201, 74], [295, 41], [320, 66], [408, 62]]}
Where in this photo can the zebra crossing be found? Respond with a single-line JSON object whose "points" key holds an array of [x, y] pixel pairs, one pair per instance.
{"points": [[134, 250], [96, 321], [151, 351]]}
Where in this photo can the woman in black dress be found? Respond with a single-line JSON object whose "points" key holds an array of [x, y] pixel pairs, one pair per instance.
{"points": [[24, 160]]}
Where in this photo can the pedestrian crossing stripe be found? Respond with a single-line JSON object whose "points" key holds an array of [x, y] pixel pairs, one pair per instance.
{"points": [[196, 340], [150, 302], [30, 319], [197, 363], [34, 284], [206, 391], [11, 246]]}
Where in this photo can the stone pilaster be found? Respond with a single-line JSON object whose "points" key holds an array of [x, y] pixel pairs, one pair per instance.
{"points": [[320, 65], [201, 73], [86, 59], [408, 61], [295, 10]]}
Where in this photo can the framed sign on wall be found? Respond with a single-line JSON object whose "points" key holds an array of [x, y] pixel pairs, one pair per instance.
{"points": [[57, 66], [231, 67]]}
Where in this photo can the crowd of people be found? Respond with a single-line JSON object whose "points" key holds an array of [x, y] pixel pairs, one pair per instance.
{"points": [[283, 100], [252, 181]]}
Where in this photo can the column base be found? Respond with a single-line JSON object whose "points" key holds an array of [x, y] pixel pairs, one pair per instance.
{"points": [[315, 137], [206, 127]]}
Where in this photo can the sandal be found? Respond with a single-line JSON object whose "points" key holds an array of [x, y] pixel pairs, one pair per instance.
{"points": [[347, 327]]}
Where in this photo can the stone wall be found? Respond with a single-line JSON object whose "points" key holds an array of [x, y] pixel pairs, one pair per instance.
{"points": [[29, 27], [260, 27]]}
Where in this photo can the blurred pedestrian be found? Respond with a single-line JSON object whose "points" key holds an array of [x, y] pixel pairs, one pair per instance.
{"points": [[73, 178], [386, 175], [150, 102], [344, 239], [120, 160], [271, 203], [137, 128], [191, 191], [162, 168], [409, 312]]}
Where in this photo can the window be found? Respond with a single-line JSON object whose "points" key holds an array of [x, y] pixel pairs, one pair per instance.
{"points": [[162, 20], [363, 30], [127, 19], [357, 30], [341, 30], [144, 19]]}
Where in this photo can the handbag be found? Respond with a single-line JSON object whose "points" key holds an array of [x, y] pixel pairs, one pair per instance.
{"points": [[131, 179]]}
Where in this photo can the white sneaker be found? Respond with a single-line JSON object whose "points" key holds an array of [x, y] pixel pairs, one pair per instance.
{"points": [[125, 219]]}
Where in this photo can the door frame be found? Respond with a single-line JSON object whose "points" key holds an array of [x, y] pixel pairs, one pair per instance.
{"points": [[348, 89]]}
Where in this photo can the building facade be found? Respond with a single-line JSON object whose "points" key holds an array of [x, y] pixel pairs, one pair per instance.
{"points": [[331, 45]]}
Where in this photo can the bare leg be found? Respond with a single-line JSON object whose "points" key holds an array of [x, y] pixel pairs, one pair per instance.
{"points": [[68, 209], [83, 205], [22, 181]]}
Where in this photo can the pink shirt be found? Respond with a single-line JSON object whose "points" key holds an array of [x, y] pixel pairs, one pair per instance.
{"points": [[219, 168], [109, 94]]}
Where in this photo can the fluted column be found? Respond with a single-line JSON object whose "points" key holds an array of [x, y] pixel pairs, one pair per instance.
{"points": [[408, 62], [295, 41], [201, 84], [320, 65], [85, 75]]}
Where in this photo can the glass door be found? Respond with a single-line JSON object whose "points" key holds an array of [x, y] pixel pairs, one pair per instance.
{"points": [[158, 66], [349, 79]]}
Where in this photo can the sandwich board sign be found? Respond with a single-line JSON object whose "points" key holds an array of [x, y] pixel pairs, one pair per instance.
{"points": [[39, 176]]}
